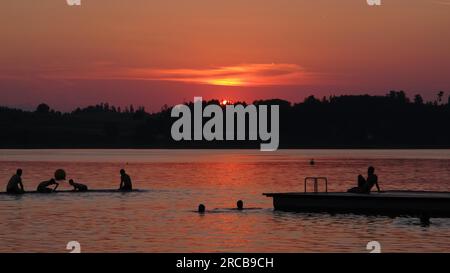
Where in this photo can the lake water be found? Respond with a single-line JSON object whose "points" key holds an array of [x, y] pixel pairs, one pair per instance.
{"points": [[162, 219]]}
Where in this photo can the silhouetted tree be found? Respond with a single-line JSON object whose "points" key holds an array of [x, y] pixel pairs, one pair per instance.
{"points": [[339, 121], [418, 99], [165, 107], [311, 100], [139, 113], [398, 96], [43, 109], [111, 130], [440, 95]]}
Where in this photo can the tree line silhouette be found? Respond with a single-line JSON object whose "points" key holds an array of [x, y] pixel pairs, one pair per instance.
{"points": [[362, 121]]}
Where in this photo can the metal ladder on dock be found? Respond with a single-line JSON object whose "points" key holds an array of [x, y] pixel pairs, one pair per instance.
{"points": [[315, 181]]}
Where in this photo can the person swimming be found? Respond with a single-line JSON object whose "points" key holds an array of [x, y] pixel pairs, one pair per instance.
{"points": [[15, 185], [78, 186], [201, 208], [240, 205], [125, 181], [366, 185], [44, 187]]}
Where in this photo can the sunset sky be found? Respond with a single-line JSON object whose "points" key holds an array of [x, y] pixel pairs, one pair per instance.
{"points": [[156, 52]]}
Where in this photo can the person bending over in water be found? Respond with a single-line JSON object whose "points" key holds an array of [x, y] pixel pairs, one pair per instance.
{"points": [[44, 187], [15, 185], [125, 181], [78, 186], [366, 185]]}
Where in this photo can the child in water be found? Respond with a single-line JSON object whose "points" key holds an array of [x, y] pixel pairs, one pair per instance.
{"points": [[78, 186]]}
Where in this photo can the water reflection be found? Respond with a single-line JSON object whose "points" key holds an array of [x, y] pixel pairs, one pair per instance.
{"points": [[162, 218]]}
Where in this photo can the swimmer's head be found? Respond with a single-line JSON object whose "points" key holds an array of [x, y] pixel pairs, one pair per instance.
{"points": [[240, 205], [201, 208]]}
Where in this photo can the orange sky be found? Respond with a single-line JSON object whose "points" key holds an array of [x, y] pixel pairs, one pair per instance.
{"points": [[156, 52]]}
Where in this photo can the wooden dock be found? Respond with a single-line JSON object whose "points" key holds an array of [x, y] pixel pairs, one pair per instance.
{"points": [[392, 203]]}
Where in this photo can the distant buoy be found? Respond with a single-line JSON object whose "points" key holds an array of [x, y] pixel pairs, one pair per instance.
{"points": [[60, 174], [201, 208]]}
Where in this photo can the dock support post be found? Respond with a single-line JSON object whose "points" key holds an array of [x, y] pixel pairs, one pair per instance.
{"points": [[425, 219]]}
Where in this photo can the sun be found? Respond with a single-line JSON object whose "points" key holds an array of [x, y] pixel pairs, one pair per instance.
{"points": [[225, 102]]}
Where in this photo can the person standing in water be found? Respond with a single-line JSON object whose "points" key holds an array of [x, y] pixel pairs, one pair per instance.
{"points": [[125, 181], [15, 185], [44, 187], [78, 186]]}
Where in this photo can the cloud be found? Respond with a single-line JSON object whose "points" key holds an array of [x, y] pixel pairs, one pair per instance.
{"points": [[238, 75]]}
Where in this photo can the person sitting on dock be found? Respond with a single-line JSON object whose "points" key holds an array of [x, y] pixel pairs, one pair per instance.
{"points": [[15, 185], [366, 185], [44, 187], [125, 181], [78, 186]]}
